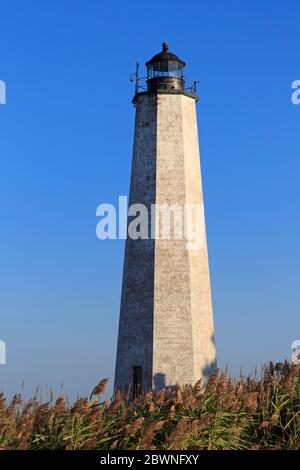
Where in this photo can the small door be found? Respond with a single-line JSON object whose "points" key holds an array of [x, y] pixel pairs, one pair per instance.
{"points": [[137, 381]]}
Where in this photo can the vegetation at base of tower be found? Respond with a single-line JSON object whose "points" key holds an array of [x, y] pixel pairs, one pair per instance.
{"points": [[245, 413]]}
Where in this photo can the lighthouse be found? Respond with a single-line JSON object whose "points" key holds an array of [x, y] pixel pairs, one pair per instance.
{"points": [[166, 330]]}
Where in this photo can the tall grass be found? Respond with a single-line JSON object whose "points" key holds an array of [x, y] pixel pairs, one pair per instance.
{"points": [[244, 413]]}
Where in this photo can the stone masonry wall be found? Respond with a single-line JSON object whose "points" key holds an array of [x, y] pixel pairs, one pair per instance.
{"points": [[166, 322]]}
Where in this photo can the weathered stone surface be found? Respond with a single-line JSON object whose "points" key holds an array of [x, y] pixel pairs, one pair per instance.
{"points": [[166, 321]]}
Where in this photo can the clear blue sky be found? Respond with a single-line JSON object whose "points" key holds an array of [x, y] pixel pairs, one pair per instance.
{"points": [[65, 147]]}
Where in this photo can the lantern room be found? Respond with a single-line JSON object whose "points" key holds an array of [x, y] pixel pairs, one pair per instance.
{"points": [[165, 71]]}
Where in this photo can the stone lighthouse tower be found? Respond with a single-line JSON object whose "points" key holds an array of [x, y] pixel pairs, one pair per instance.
{"points": [[166, 332]]}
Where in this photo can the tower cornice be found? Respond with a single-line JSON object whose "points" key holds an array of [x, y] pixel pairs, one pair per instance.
{"points": [[165, 92]]}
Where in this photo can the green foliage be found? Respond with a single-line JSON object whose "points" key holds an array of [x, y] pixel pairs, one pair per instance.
{"points": [[244, 413]]}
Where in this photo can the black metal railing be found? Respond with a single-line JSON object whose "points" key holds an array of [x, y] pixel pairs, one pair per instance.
{"points": [[142, 86]]}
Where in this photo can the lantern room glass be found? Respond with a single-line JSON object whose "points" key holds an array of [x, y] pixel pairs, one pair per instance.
{"points": [[167, 68]]}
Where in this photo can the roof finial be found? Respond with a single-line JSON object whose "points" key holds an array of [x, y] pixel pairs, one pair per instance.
{"points": [[165, 46]]}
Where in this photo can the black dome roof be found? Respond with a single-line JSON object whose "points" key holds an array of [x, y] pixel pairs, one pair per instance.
{"points": [[165, 54]]}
